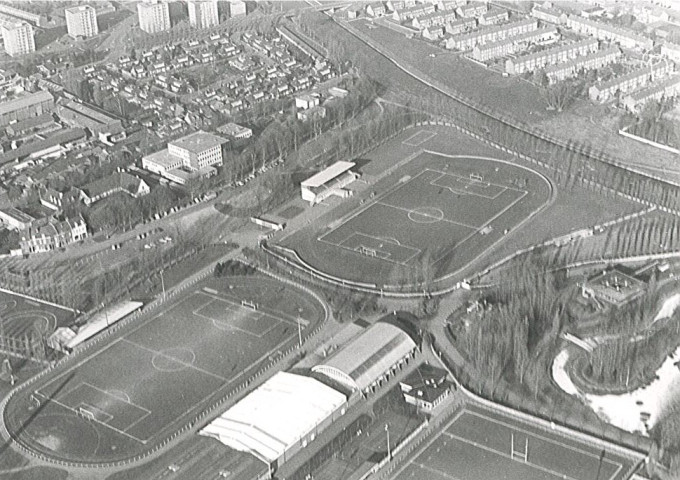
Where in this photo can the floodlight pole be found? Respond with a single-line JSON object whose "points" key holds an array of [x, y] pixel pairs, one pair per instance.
{"points": [[163, 284], [389, 452], [299, 331]]}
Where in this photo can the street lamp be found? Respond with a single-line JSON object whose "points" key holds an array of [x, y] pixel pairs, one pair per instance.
{"points": [[389, 452]]}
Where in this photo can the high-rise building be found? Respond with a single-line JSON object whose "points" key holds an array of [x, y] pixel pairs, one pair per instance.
{"points": [[18, 37], [153, 16], [203, 13], [236, 8], [81, 21]]}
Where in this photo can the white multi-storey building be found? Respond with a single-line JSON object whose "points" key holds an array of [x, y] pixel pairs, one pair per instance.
{"points": [[153, 17], [18, 37], [203, 13], [81, 21]]}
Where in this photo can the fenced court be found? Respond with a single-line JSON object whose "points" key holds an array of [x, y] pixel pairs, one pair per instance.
{"points": [[135, 389], [479, 445], [437, 209]]}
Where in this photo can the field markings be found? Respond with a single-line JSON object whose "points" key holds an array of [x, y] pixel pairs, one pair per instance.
{"points": [[281, 317], [409, 210], [505, 455], [155, 352], [435, 471], [414, 143], [534, 435], [230, 310]]}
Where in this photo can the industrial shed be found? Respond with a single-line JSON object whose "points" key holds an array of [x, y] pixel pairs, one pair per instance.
{"points": [[279, 418], [368, 359]]}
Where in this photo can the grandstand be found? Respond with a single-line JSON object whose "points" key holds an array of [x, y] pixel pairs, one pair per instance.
{"points": [[370, 359], [279, 418], [330, 181]]}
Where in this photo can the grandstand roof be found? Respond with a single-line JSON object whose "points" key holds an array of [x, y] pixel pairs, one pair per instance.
{"points": [[368, 356], [328, 174], [275, 416]]}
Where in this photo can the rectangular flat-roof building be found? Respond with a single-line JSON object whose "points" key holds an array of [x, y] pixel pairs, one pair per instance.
{"points": [[18, 37], [330, 181], [153, 17], [203, 13], [81, 21], [30, 105]]}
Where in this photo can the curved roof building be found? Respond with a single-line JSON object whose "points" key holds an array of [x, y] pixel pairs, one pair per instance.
{"points": [[280, 416], [366, 358]]}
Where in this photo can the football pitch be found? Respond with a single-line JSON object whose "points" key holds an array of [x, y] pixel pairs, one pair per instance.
{"points": [[435, 213], [143, 385], [435, 209], [479, 444]]}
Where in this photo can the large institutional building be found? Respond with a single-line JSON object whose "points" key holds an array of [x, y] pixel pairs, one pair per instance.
{"points": [[195, 154], [81, 21], [18, 37], [154, 17], [203, 13]]}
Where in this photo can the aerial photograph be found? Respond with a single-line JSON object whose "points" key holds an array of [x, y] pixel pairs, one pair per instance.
{"points": [[339, 240]]}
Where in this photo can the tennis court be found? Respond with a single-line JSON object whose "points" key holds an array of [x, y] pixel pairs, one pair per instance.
{"points": [[479, 444]]}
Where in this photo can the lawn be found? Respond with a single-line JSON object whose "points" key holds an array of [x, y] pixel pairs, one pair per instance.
{"points": [[478, 444]]}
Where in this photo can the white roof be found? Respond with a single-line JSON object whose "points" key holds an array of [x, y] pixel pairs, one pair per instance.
{"points": [[275, 416], [368, 356], [103, 320], [328, 174]]}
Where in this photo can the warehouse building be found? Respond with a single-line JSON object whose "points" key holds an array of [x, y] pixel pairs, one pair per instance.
{"points": [[370, 359], [279, 418], [28, 106]]}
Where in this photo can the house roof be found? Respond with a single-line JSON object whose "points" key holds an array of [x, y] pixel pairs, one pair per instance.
{"points": [[25, 101]]}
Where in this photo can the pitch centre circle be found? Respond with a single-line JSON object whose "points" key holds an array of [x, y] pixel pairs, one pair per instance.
{"points": [[426, 215], [173, 359]]}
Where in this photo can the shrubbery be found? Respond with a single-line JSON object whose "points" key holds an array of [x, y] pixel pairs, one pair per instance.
{"points": [[232, 268]]}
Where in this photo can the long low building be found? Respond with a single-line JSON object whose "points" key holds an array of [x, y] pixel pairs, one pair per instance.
{"points": [[468, 41], [368, 360], [492, 50], [279, 418], [78, 114], [27, 106], [330, 181], [538, 60], [604, 91], [570, 68], [668, 88], [602, 31]]}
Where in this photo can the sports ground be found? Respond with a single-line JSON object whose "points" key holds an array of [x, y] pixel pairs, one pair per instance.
{"points": [[479, 444], [20, 316], [436, 210], [154, 378]]}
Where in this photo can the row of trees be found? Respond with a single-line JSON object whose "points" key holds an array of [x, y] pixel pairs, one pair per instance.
{"points": [[513, 337]]}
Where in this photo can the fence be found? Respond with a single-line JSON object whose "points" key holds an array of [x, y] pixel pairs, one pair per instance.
{"points": [[197, 419]]}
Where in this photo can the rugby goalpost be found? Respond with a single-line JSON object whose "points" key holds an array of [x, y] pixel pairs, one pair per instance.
{"points": [[519, 455]]}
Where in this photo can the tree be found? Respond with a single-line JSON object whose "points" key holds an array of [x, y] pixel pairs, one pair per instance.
{"points": [[560, 95]]}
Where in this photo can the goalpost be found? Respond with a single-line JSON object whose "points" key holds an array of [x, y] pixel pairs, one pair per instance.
{"points": [[519, 455], [476, 177], [249, 304], [86, 414]]}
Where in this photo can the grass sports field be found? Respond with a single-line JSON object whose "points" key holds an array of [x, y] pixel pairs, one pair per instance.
{"points": [[157, 375], [478, 445], [432, 215]]}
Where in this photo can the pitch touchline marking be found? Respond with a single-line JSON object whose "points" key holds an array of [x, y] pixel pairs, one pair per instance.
{"points": [[137, 421], [429, 134], [71, 409], [146, 410], [538, 436], [408, 210], [174, 359], [279, 316], [434, 470], [504, 455], [227, 326], [506, 187]]}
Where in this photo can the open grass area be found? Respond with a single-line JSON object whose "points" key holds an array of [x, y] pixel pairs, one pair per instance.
{"points": [[479, 444], [159, 373]]}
